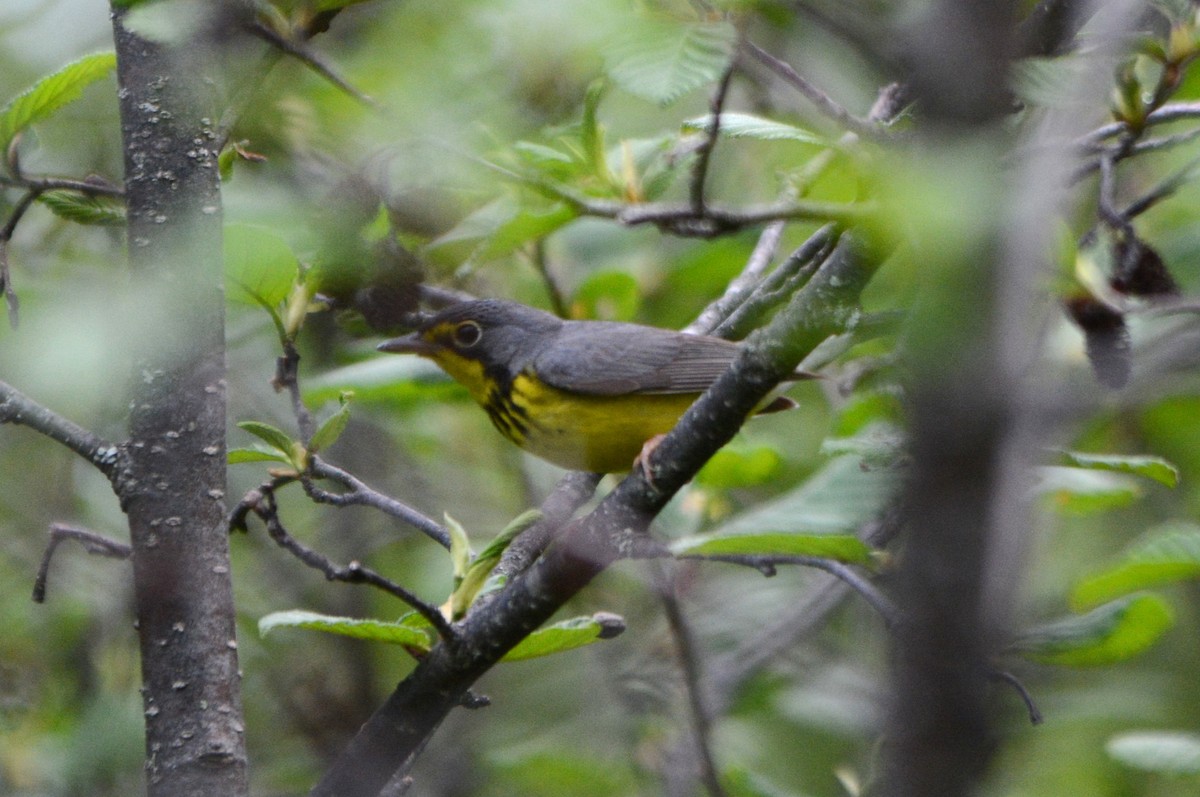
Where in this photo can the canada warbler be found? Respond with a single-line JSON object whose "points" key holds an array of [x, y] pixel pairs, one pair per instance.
{"points": [[586, 395]]}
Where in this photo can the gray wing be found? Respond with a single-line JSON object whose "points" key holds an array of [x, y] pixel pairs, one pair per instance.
{"points": [[610, 359]]}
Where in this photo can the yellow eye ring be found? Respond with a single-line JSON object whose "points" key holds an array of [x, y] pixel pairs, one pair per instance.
{"points": [[467, 334]]}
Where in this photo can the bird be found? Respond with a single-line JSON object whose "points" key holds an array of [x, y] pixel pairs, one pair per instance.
{"points": [[583, 395]]}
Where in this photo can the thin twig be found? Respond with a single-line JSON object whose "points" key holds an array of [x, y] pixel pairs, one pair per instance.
{"points": [[309, 58], [92, 542], [353, 573], [740, 288], [17, 408], [360, 494], [1172, 112], [1035, 715], [42, 184], [540, 262], [767, 563], [704, 151], [693, 678], [287, 376], [823, 102], [1164, 190]]}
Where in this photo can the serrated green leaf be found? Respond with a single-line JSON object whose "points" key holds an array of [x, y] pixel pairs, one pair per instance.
{"points": [[1111, 633], [51, 93], [1165, 752], [397, 633], [1156, 468], [1081, 491], [101, 211], [1170, 554], [331, 429], [238, 456], [260, 267], [562, 636], [661, 60], [276, 438], [839, 547], [746, 125], [527, 226]]}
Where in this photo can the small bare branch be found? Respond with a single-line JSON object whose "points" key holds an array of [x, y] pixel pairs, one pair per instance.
{"points": [[704, 151], [823, 102], [17, 408], [353, 573], [1035, 714], [92, 542], [362, 495], [310, 58], [693, 678]]}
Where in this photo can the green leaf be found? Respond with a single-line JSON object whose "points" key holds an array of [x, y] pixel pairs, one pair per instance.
{"points": [[1111, 633], [396, 381], [332, 428], [732, 468], [836, 499], [1078, 491], [101, 211], [1156, 468], [398, 633], [51, 93], [237, 456], [746, 125], [460, 548], [591, 134], [527, 226], [839, 547], [1171, 553], [661, 60], [566, 635], [879, 444], [259, 265], [276, 438], [1165, 752], [607, 295]]}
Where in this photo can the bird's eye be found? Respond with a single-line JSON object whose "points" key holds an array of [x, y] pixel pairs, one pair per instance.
{"points": [[467, 334]]}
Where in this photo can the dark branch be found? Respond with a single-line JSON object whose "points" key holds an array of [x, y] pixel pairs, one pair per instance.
{"points": [[310, 58], [353, 573], [92, 542], [17, 408], [361, 495], [1035, 714], [704, 151]]}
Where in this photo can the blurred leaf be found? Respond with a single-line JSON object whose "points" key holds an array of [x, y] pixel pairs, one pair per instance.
{"points": [[333, 5], [259, 265], [562, 636], [865, 408], [839, 547], [376, 630], [1112, 633], [1171, 554], [525, 227], [661, 60], [1165, 752], [745, 125], [838, 498], [879, 444], [1156, 468], [51, 93], [569, 771], [384, 378], [1079, 491], [608, 296], [742, 782], [1049, 81], [276, 438], [732, 468], [169, 22], [100, 211]]}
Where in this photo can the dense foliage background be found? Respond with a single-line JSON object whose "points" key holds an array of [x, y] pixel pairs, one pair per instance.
{"points": [[439, 176]]}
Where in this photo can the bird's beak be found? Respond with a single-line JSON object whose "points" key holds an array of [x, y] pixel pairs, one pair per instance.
{"points": [[408, 344]]}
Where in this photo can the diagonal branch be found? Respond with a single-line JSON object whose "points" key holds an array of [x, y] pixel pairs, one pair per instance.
{"points": [[17, 408], [616, 529]]}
